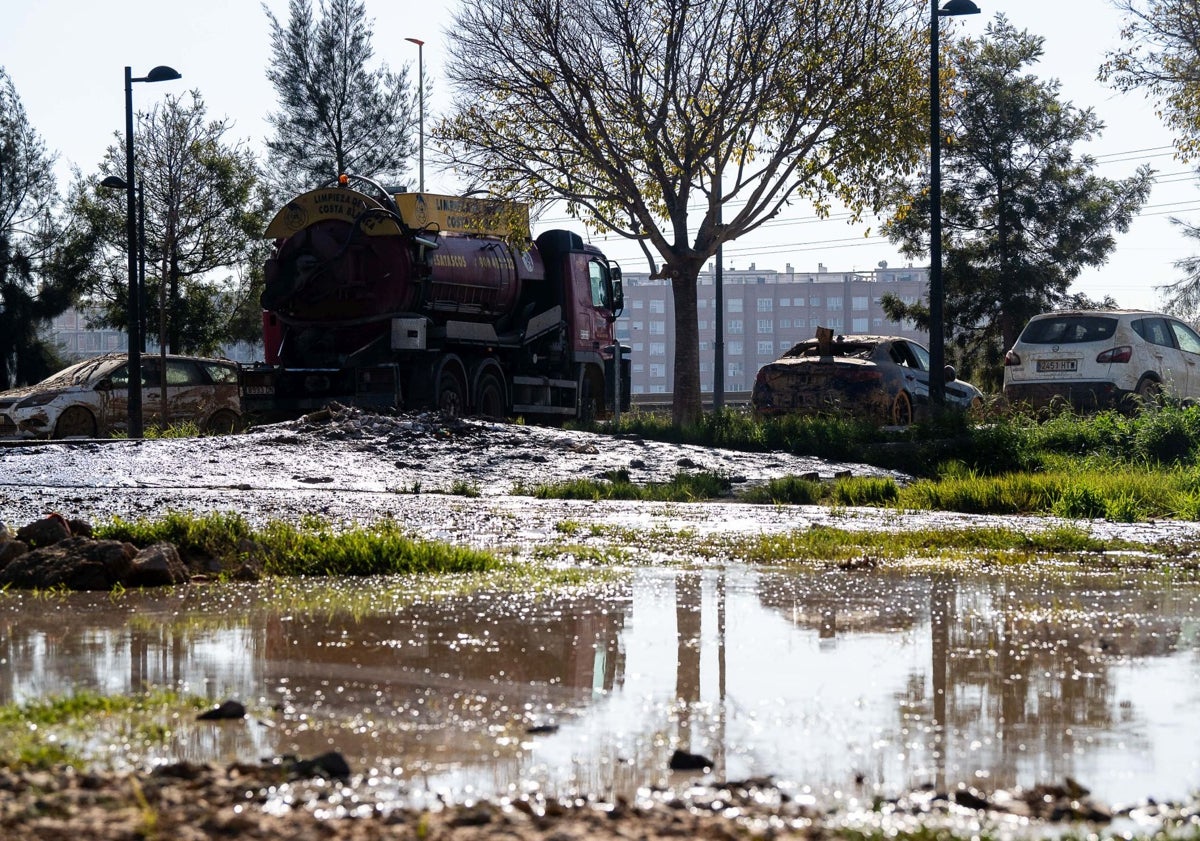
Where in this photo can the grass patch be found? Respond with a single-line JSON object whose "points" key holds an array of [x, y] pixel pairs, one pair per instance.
{"points": [[310, 547], [56, 730], [825, 544], [683, 487]]}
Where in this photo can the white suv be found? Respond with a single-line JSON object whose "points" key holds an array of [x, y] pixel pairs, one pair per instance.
{"points": [[1096, 359]]}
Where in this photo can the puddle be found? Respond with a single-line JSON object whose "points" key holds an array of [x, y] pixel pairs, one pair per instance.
{"points": [[840, 684]]}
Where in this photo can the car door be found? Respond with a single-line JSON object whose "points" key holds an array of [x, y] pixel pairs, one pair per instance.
{"points": [[1165, 357], [914, 364], [1189, 351]]}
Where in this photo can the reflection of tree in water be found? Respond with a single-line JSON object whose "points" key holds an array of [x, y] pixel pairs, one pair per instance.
{"points": [[1019, 664]]}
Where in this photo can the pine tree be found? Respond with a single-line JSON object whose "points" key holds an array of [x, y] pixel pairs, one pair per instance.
{"points": [[336, 114]]}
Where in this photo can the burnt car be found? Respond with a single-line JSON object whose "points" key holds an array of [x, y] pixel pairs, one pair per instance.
{"points": [[884, 377], [91, 398]]}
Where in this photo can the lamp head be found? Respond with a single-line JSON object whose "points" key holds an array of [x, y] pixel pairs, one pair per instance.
{"points": [[114, 182], [958, 7], [416, 41], [162, 73]]}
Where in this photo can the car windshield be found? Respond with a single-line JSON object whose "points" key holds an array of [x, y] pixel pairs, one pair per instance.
{"points": [[1069, 329], [78, 373]]}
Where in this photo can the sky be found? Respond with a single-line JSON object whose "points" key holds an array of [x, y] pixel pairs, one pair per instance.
{"points": [[67, 59]]}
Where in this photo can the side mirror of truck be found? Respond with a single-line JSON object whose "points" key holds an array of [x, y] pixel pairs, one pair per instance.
{"points": [[618, 290]]}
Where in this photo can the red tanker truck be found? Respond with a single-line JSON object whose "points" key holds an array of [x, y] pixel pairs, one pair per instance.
{"points": [[417, 300]]}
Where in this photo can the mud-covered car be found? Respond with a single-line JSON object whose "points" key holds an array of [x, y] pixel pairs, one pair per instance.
{"points": [[91, 398], [883, 377]]}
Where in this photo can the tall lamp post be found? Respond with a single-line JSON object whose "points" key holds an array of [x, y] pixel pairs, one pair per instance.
{"points": [[421, 113], [937, 319], [158, 74]]}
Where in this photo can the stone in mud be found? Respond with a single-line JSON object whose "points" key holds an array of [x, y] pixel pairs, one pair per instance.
{"points": [[11, 549], [45, 532], [158, 565], [76, 563]]}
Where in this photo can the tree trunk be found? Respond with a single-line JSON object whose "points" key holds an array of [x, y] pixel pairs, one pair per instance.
{"points": [[686, 408]]}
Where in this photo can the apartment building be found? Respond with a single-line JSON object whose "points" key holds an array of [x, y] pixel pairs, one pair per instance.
{"points": [[765, 312], [75, 337]]}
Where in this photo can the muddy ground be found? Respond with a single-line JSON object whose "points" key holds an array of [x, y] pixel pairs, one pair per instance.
{"points": [[348, 466]]}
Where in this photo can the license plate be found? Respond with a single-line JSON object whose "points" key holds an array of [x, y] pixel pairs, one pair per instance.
{"points": [[1051, 366]]}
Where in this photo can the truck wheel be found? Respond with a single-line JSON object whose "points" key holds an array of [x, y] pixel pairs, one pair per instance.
{"points": [[451, 395], [489, 397], [589, 403]]}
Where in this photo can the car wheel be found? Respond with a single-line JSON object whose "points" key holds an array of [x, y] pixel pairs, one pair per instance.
{"points": [[902, 409], [75, 422], [222, 422], [1149, 393]]}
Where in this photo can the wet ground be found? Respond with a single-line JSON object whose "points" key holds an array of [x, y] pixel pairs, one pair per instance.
{"points": [[841, 685]]}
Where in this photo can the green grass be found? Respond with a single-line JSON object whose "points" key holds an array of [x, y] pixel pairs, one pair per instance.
{"points": [[823, 544], [310, 547], [616, 484], [54, 730]]}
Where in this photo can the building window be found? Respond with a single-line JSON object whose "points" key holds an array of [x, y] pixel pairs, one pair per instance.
{"points": [[733, 305], [766, 348], [658, 328], [785, 323], [833, 303], [658, 349], [859, 302], [705, 367], [735, 348], [658, 307], [703, 346], [859, 325], [814, 301], [638, 368], [785, 302], [735, 326], [637, 325], [735, 369], [637, 347], [657, 370], [702, 304], [765, 305], [765, 325], [658, 389], [639, 304]]}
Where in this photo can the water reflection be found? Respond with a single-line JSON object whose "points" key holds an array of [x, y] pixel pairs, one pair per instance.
{"points": [[846, 681]]}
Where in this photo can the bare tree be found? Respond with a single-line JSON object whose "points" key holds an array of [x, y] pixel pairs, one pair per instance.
{"points": [[650, 118]]}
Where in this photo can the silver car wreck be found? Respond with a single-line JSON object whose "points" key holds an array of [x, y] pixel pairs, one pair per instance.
{"points": [[882, 377], [91, 398]]}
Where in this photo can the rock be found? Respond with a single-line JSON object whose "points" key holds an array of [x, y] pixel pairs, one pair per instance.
{"points": [[81, 528], [227, 711], [158, 565], [331, 765], [45, 532], [683, 761], [10, 549], [77, 563]]}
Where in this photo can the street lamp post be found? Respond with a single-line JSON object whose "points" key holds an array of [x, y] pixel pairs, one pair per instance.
{"points": [[158, 74], [937, 321], [421, 113]]}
